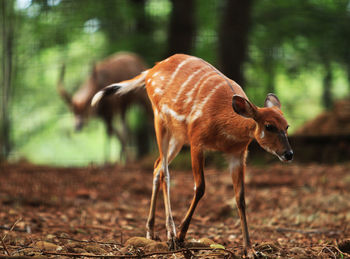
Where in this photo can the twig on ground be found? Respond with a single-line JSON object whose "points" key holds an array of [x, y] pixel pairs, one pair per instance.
{"points": [[99, 227], [14, 229], [328, 248], [4, 246], [3, 238], [89, 241], [17, 257], [232, 255]]}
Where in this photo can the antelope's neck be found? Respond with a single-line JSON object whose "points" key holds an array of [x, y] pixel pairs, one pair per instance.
{"points": [[230, 133]]}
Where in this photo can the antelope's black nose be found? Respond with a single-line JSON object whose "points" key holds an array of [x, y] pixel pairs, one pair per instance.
{"points": [[288, 155]]}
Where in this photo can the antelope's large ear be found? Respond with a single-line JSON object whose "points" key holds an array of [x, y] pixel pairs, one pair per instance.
{"points": [[272, 100], [243, 107]]}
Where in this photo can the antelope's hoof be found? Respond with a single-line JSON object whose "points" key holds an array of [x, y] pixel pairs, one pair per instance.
{"points": [[174, 244]]}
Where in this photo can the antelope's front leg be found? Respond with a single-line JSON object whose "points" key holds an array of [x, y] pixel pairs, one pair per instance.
{"points": [[237, 169], [197, 157]]}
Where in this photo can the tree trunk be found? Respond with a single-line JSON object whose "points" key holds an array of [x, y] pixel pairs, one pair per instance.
{"points": [[111, 24], [233, 38], [327, 87], [270, 81], [142, 40], [142, 43], [182, 27], [270, 70], [7, 17]]}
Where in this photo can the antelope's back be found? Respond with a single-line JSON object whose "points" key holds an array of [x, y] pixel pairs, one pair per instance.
{"points": [[183, 88]]}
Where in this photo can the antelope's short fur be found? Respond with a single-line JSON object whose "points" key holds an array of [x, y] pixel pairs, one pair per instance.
{"points": [[195, 104]]}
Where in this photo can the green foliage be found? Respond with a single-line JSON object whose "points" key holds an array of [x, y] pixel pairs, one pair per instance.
{"points": [[58, 144], [292, 46], [207, 14]]}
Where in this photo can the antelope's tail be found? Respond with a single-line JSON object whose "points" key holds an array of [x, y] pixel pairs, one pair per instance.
{"points": [[120, 88]]}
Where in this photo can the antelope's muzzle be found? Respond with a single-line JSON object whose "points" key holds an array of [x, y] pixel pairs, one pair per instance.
{"points": [[288, 155]]}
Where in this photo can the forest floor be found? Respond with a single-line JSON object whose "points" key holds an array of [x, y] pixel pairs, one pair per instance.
{"points": [[294, 211]]}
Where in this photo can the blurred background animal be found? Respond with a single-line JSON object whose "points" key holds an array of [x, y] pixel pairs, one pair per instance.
{"points": [[118, 67]]}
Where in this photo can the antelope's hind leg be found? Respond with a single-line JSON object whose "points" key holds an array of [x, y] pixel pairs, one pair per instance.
{"points": [[155, 190], [174, 149], [168, 149]]}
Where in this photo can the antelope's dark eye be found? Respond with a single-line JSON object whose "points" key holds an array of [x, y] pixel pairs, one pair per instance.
{"points": [[270, 128], [287, 128]]}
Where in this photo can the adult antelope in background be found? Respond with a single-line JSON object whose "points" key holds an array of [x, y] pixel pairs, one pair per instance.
{"points": [[116, 68], [193, 103]]}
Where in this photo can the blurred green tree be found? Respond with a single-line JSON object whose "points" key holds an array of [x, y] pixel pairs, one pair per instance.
{"points": [[300, 35], [233, 38], [292, 47], [182, 28], [7, 35]]}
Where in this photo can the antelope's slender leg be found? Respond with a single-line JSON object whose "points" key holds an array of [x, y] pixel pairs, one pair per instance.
{"points": [[162, 141], [237, 170], [159, 177], [155, 191], [197, 157], [170, 225]]}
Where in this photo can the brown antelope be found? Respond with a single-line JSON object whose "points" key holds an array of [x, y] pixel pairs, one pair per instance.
{"points": [[116, 68], [195, 104]]}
